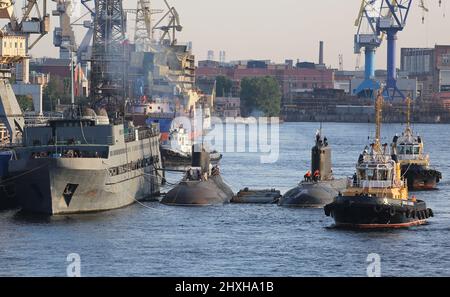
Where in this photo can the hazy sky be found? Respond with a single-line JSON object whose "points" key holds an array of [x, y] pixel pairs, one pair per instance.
{"points": [[281, 29]]}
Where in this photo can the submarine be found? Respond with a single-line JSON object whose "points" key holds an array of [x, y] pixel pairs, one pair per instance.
{"points": [[316, 191], [202, 184]]}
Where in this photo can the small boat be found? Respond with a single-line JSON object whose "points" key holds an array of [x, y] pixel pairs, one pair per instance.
{"points": [[415, 164], [177, 149], [202, 185], [250, 196], [316, 191], [377, 196]]}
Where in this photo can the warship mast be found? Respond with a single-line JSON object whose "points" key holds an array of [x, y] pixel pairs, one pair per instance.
{"points": [[108, 88]]}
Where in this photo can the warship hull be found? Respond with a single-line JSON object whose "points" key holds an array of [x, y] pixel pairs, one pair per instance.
{"points": [[313, 194], [363, 212], [58, 186], [421, 179]]}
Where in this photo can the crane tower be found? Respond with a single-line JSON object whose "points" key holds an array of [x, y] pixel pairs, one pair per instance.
{"points": [[108, 54]]}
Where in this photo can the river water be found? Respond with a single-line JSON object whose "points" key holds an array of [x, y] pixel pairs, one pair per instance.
{"points": [[240, 240]]}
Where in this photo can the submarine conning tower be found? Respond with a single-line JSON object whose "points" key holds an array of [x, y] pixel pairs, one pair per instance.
{"points": [[321, 158], [201, 158]]}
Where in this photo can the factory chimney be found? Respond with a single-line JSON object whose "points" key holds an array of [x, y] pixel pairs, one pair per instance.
{"points": [[321, 53]]}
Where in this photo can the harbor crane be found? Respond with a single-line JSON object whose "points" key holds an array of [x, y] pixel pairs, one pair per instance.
{"points": [[14, 47], [169, 31], [64, 36], [143, 33], [368, 39], [393, 17]]}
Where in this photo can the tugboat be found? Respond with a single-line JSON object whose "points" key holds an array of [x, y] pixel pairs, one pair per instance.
{"points": [[415, 164], [377, 197], [201, 186], [319, 186]]}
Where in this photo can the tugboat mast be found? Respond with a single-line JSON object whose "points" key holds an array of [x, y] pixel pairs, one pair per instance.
{"points": [[378, 118], [408, 113]]}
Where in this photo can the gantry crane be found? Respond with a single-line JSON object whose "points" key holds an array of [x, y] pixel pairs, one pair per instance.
{"points": [[143, 32], [394, 14], [14, 47], [369, 39]]}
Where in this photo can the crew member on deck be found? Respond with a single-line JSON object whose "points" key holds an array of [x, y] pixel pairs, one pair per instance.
{"points": [[316, 175], [308, 176]]}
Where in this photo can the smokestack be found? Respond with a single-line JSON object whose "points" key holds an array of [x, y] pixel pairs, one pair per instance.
{"points": [[321, 53]]}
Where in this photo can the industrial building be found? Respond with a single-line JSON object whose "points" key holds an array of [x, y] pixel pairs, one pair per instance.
{"points": [[430, 66]]}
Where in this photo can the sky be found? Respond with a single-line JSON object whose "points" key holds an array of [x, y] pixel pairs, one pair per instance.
{"points": [[285, 29]]}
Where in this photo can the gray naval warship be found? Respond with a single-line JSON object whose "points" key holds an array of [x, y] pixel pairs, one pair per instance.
{"points": [[319, 186], [85, 164]]}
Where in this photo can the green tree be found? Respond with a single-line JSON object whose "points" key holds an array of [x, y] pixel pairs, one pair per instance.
{"points": [[260, 95], [25, 103], [223, 86]]}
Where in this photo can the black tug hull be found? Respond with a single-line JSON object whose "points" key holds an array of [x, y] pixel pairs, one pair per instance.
{"points": [[420, 178], [364, 212], [7, 196]]}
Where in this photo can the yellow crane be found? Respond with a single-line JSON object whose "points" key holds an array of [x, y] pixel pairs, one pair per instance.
{"points": [[14, 40]]}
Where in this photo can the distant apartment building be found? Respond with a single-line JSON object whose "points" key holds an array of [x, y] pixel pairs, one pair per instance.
{"points": [[228, 107], [430, 66], [302, 77]]}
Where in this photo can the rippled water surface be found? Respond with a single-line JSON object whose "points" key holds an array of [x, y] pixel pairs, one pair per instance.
{"points": [[240, 240]]}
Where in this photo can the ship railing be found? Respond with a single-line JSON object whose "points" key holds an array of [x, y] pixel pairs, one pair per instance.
{"points": [[413, 157], [365, 184], [86, 140]]}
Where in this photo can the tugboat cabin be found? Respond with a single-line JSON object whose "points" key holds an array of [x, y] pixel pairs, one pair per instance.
{"points": [[409, 149], [377, 176]]}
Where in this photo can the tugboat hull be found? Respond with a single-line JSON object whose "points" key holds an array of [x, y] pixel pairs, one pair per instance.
{"points": [[421, 179], [364, 212]]}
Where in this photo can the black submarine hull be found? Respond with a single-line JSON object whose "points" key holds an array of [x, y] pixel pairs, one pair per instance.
{"points": [[313, 194], [214, 191], [364, 212], [420, 178]]}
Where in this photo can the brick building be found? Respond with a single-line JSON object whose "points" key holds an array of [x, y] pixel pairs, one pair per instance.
{"points": [[292, 79]]}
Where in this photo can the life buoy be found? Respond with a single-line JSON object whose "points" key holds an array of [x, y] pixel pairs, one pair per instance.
{"points": [[420, 215]]}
